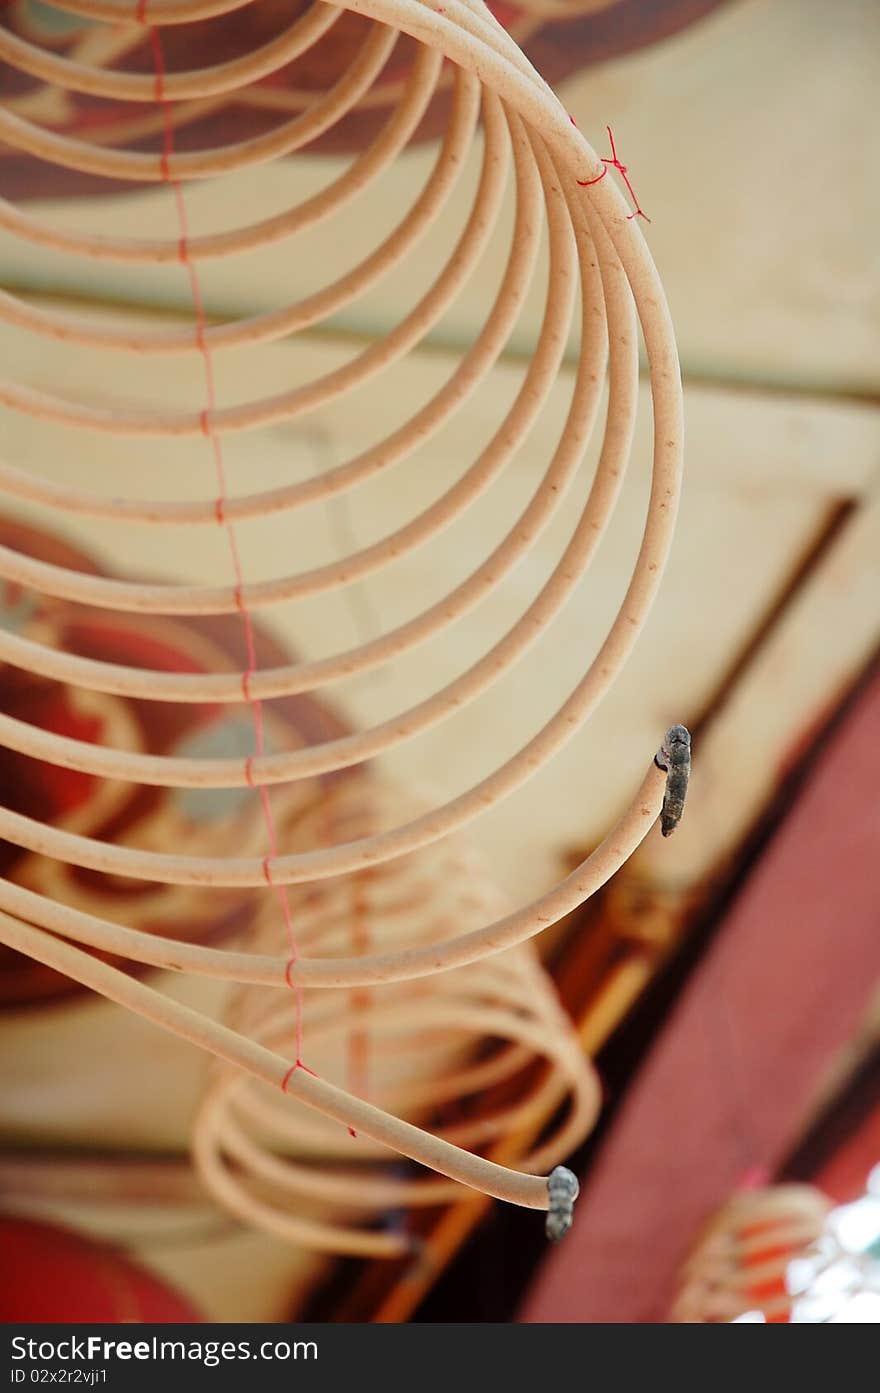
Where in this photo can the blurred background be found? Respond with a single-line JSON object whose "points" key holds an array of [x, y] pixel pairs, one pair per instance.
{"points": [[726, 981]]}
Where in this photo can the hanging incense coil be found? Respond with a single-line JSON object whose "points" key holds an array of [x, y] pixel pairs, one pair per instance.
{"points": [[423, 1049], [599, 277], [741, 1261]]}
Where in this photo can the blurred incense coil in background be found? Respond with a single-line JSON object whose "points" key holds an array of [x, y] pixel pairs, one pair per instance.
{"points": [[741, 1261], [785, 1254], [438, 1051], [836, 1281]]}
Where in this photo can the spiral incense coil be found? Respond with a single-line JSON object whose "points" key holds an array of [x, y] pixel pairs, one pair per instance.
{"points": [[413, 1046], [600, 279], [740, 1263]]}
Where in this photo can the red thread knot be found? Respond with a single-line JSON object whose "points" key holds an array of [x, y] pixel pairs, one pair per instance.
{"points": [[291, 964], [220, 510], [203, 422], [612, 162], [267, 870], [246, 686], [249, 771]]}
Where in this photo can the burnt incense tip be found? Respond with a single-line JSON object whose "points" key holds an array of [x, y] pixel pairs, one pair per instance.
{"points": [[674, 756], [562, 1190]]}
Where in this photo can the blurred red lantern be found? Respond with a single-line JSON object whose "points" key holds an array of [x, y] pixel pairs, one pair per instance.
{"points": [[51, 1274], [125, 813]]}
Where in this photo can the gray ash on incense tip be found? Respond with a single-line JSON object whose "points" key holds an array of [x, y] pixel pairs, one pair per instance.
{"points": [[674, 756], [562, 1190]]}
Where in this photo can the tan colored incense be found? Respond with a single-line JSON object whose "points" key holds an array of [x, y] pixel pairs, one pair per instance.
{"points": [[600, 274], [439, 1042], [740, 1261]]}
